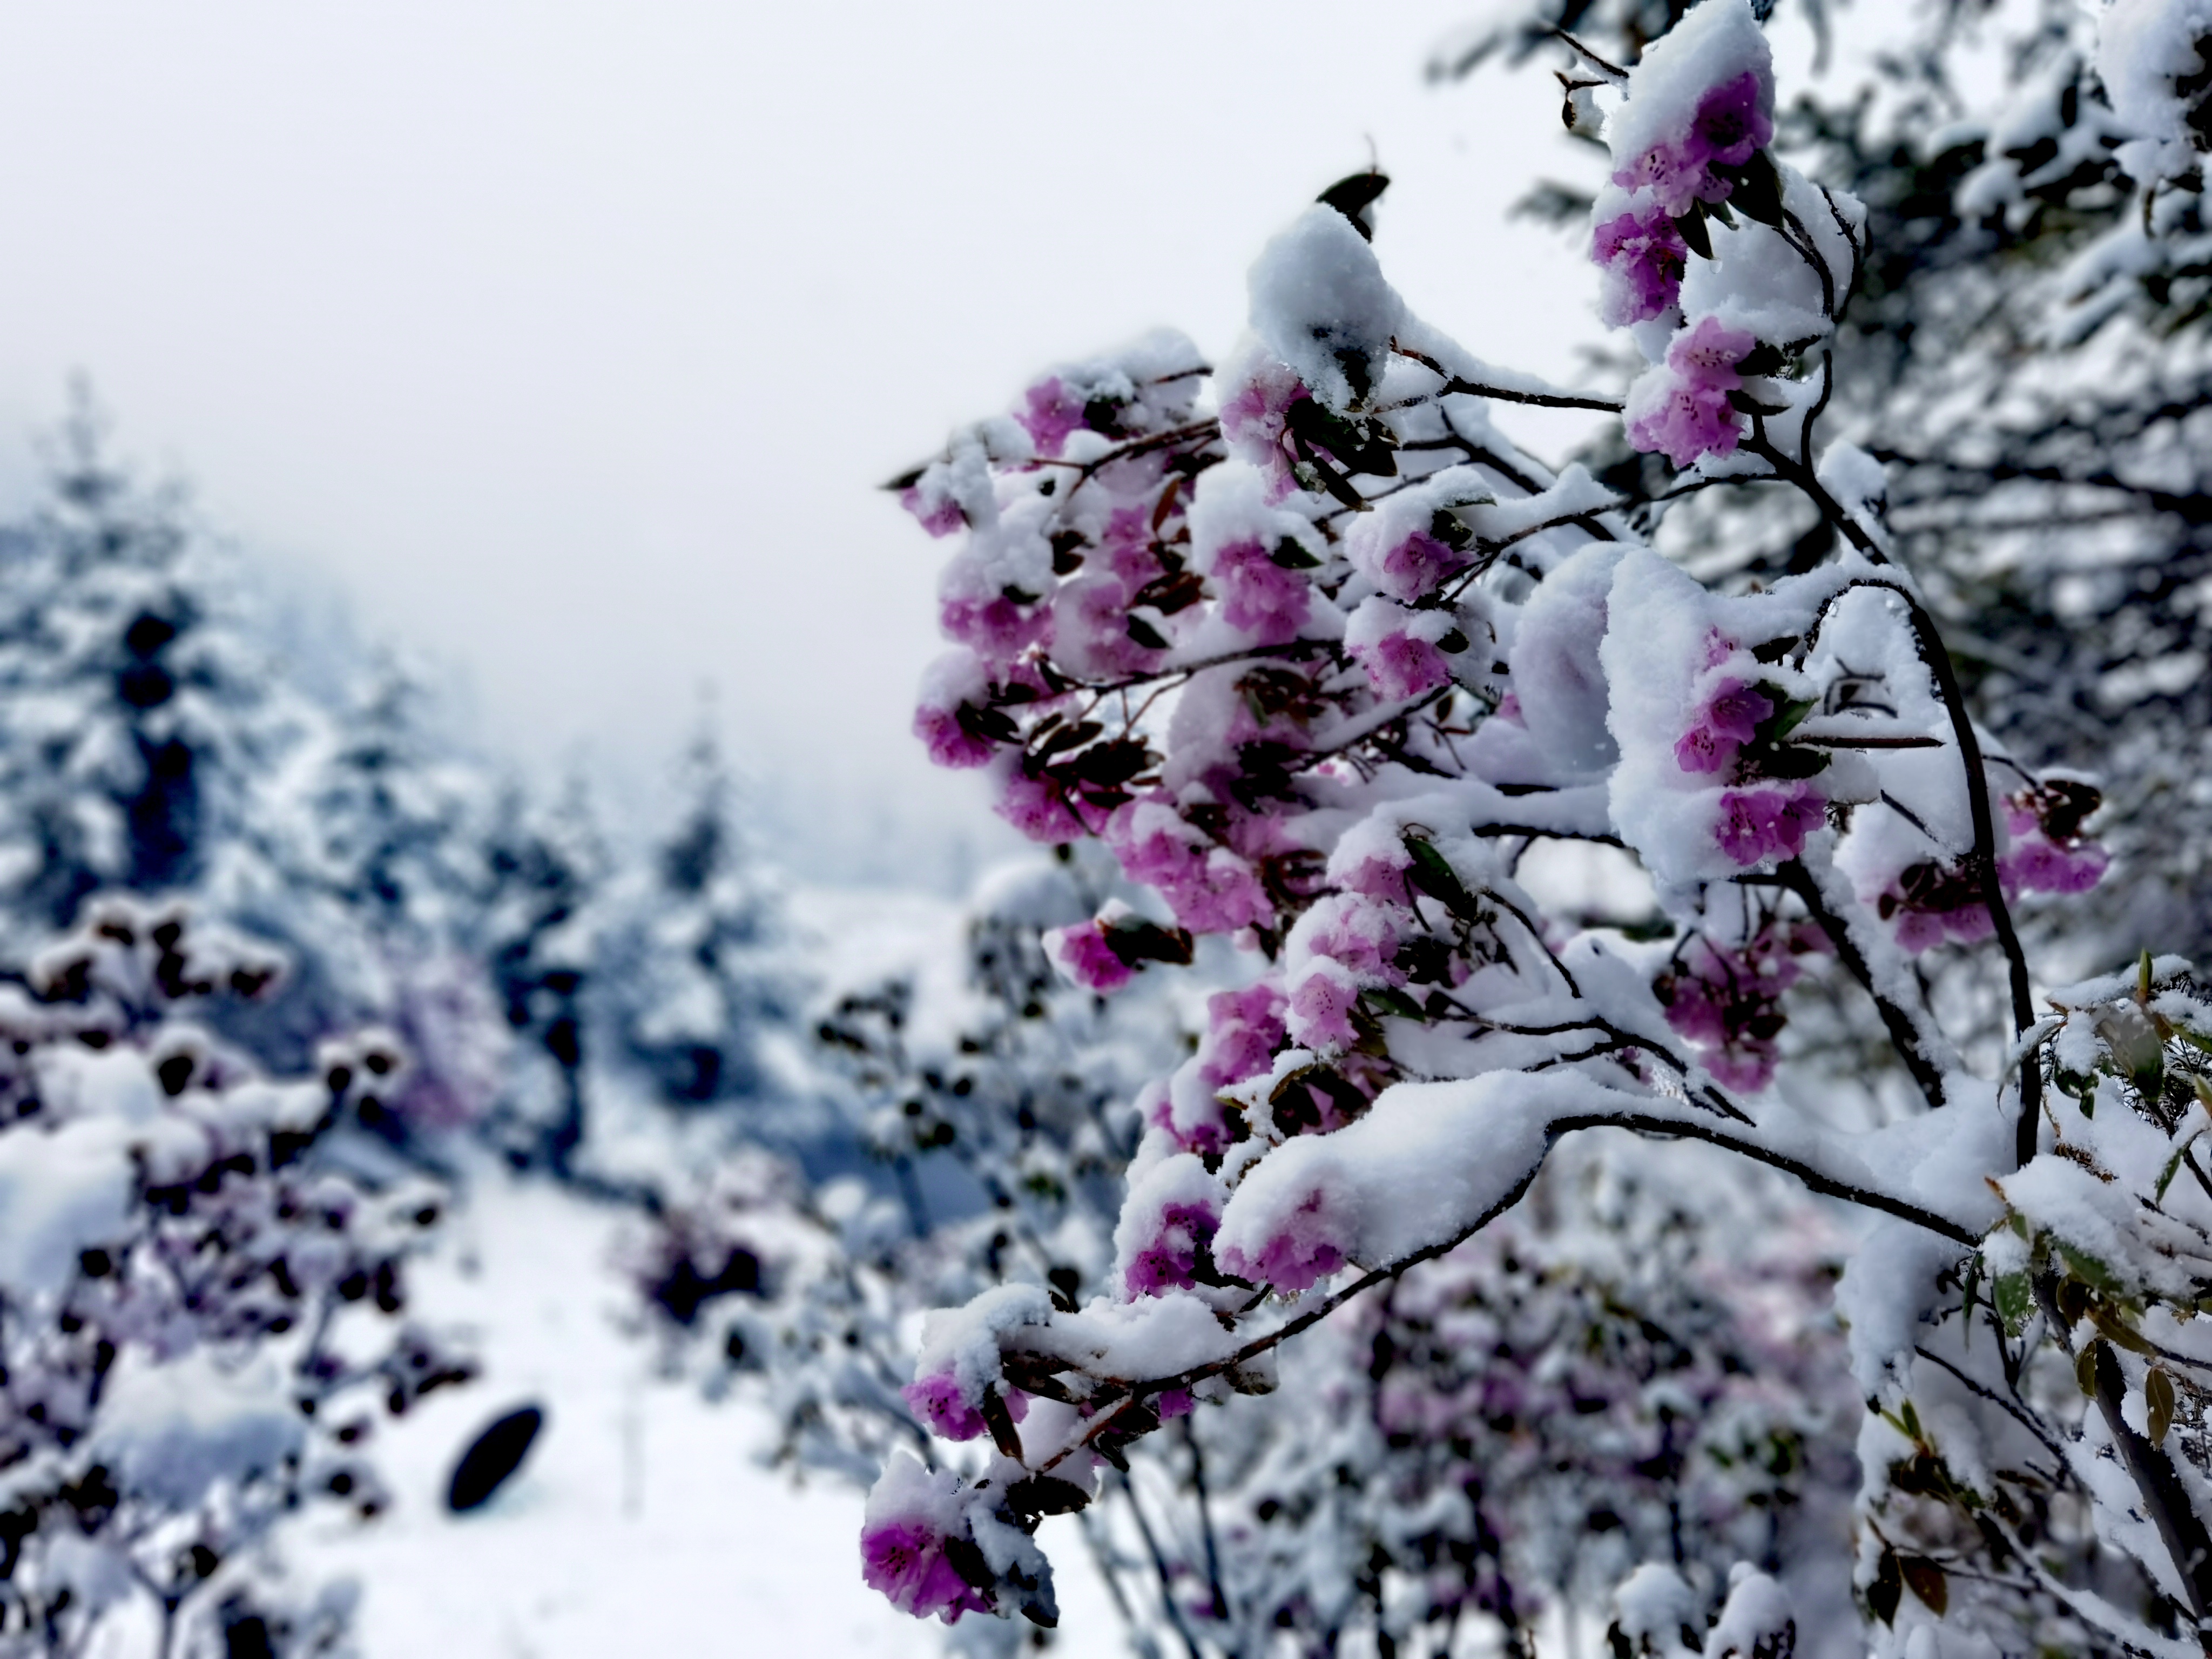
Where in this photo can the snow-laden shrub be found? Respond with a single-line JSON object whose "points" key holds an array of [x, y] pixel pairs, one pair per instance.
{"points": [[202, 1309], [1319, 655]]}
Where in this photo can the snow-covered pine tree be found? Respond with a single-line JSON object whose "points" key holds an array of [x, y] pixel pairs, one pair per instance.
{"points": [[690, 978]]}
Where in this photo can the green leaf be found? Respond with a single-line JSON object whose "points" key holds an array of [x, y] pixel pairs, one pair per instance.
{"points": [[1888, 1589], [2159, 1403], [1694, 233], [1433, 875], [1386, 999], [1758, 192], [1925, 1579], [1145, 634], [2014, 1298]]}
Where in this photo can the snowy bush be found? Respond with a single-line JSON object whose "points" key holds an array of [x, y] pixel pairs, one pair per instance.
{"points": [[203, 1301], [1320, 656]]}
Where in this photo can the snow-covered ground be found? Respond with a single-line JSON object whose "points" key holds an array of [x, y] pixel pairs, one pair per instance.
{"points": [[640, 1522]]}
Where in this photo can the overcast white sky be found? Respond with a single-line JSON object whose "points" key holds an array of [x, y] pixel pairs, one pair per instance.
{"points": [[569, 340]]}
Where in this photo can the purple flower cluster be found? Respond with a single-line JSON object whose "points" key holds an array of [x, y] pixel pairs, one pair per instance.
{"points": [[1243, 1029], [905, 1560], [1258, 595], [1642, 254], [1681, 408], [941, 1402], [1169, 1261], [1732, 121], [1089, 956], [1400, 664], [1729, 719], [1309, 1248], [1728, 1001], [1210, 889], [1771, 822], [1931, 902], [1049, 413]]}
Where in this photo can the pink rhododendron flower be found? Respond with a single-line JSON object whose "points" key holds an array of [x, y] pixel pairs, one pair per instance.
{"points": [[1253, 422], [1091, 628], [1049, 412], [1210, 889], [1732, 123], [2037, 866], [1171, 1403], [950, 743], [905, 1560], [1035, 807], [1770, 823], [1170, 1263], [1306, 1249], [1682, 421], [1729, 720], [1363, 937], [1243, 1029], [939, 1403], [1676, 183], [1707, 353], [1400, 665], [1089, 957], [1258, 595], [1321, 1011], [1682, 410], [1641, 252], [997, 629], [1416, 566], [939, 514]]}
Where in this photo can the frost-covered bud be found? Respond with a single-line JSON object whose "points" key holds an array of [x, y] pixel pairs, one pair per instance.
{"points": [[1641, 253], [913, 1515], [1258, 594]]}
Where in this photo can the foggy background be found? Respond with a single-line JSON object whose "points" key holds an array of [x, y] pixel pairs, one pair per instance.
{"points": [[565, 344]]}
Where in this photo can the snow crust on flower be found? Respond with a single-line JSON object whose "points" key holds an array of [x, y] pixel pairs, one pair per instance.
{"points": [[1400, 648], [174, 1432], [1712, 49], [1425, 1162], [1171, 1211], [958, 1357], [1237, 533], [1558, 673], [2143, 48], [1320, 302], [1658, 656], [1395, 545]]}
